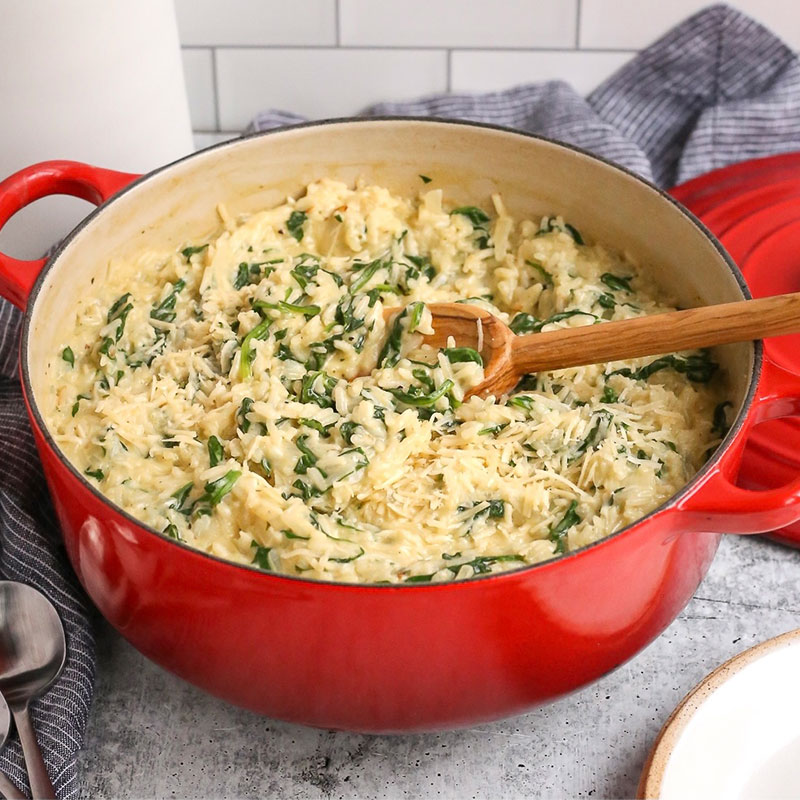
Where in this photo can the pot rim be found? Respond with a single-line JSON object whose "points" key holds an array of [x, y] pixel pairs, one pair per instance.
{"points": [[707, 467]]}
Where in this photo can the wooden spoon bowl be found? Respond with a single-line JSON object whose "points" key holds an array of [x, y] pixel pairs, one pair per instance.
{"points": [[507, 357]]}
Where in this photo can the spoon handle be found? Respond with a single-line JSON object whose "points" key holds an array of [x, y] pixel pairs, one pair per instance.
{"points": [[41, 787], [9, 790], [658, 333]]}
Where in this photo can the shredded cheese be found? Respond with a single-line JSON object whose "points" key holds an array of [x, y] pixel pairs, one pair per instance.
{"points": [[245, 394]]}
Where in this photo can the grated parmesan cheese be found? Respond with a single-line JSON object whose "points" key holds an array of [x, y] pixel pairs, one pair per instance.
{"points": [[245, 395]]}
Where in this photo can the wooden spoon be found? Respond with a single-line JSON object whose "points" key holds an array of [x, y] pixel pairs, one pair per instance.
{"points": [[507, 357]]}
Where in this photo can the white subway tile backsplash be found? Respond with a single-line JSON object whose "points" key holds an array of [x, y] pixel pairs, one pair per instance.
{"points": [[455, 23], [198, 71], [256, 22], [633, 24], [321, 82], [490, 70], [332, 57]]}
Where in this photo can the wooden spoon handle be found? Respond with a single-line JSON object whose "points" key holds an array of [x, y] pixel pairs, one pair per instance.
{"points": [[658, 333]]}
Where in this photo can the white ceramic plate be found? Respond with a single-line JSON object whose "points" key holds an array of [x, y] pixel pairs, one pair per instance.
{"points": [[736, 735]]}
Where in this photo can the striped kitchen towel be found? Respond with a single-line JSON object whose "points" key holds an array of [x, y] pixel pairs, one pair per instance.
{"points": [[717, 89]]}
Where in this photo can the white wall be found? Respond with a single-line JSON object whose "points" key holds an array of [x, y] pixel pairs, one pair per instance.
{"points": [[326, 58]]}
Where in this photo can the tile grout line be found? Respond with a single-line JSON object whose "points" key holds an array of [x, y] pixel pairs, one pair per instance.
{"points": [[449, 71], [215, 82], [578, 25], [338, 24], [379, 48]]}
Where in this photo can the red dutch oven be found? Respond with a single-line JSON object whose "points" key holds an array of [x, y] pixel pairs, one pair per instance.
{"points": [[390, 658]]}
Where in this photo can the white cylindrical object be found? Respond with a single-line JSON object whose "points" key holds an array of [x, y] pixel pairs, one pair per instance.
{"points": [[99, 81]]}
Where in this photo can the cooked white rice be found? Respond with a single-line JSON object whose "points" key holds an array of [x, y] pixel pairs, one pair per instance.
{"points": [[228, 394]]}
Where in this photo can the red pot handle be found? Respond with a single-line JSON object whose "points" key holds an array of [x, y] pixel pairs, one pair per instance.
{"points": [[32, 183], [717, 504]]}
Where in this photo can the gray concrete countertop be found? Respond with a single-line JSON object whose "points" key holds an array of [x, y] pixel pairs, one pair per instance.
{"points": [[152, 735]]}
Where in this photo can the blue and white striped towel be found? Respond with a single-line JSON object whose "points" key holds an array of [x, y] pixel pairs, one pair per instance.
{"points": [[717, 89]]}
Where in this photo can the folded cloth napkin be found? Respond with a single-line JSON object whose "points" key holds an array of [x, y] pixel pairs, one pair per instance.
{"points": [[717, 89]]}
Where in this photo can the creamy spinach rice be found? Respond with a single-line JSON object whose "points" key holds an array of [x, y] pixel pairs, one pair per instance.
{"points": [[244, 394]]}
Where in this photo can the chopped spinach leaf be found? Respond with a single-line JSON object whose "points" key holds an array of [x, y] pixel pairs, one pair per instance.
{"points": [[181, 497], [574, 233], [602, 419], [216, 454], [292, 535], [119, 312], [68, 356], [523, 401], [420, 267], [215, 491], [527, 323], [609, 395], [172, 531], [77, 404], [493, 429], [390, 352], [476, 216], [414, 397], [241, 415], [188, 252], [720, 424], [307, 491], [347, 429], [295, 224], [546, 277], [304, 273], [697, 368], [97, 474], [419, 578], [348, 559], [293, 308], [480, 223], [261, 556], [165, 310], [606, 301], [558, 531], [458, 355], [425, 179], [424, 378], [496, 509], [248, 273], [367, 273], [317, 387], [316, 425], [616, 282], [247, 354], [550, 224], [415, 316], [307, 457], [480, 566]]}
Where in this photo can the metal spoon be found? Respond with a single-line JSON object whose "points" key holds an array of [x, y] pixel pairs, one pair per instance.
{"points": [[7, 788], [32, 654], [507, 357]]}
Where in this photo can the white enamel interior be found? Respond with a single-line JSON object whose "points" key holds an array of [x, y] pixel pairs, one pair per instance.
{"points": [[743, 740], [176, 206]]}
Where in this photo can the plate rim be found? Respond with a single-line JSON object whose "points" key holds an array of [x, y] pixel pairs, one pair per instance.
{"points": [[652, 777]]}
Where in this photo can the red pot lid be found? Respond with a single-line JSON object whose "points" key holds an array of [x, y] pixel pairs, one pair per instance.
{"points": [[754, 209]]}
